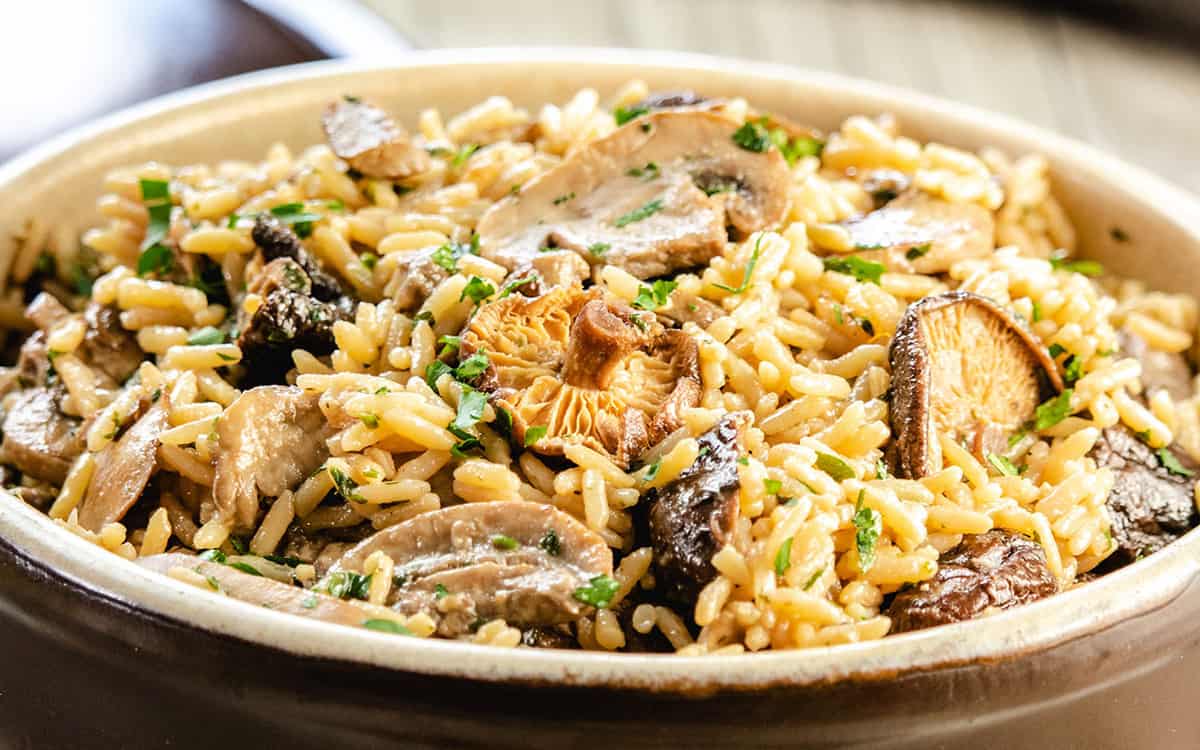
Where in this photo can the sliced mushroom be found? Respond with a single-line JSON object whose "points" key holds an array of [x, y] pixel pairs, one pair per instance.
{"points": [[917, 233], [45, 310], [635, 198], [107, 346], [1149, 505], [520, 561], [270, 438], [123, 469], [680, 99], [586, 367], [1161, 371], [38, 438], [986, 572], [265, 592], [693, 517], [370, 141], [962, 366]]}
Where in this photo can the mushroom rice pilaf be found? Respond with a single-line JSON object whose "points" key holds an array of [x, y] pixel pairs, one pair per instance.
{"points": [[667, 373]]}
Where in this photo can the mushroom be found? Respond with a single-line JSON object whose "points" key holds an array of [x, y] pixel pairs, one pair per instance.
{"points": [[38, 438], [520, 561], [654, 196], [918, 233], [370, 141], [123, 469], [1161, 371], [965, 367], [693, 517], [266, 592], [270, 438], [587, 368]]}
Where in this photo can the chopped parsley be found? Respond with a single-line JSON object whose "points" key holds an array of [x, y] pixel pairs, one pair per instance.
{"points": [[598, 249], [206, 336], [655, 296], [1002, 464], [551, 543], [623, 115], [245, 568], [449, 344], [213, 555], [917, 251], [1053, 411], [345, 486], [155, 257], [1055, 350], [464, 152], [867, 526], [446, 256], [294, 215], [752, 136], [434, 370], [440, 592], [648, 172], [534, 434], [772, 486], [472, 367], [426, 316], [1017, 436], [1072, 369], [812, 581], [638, 214], [346, 584], [860, 269], [652, 471], [1037, 312], [513, 286], [238, 544], [477, 289], [370, 420], [881, 470], [1060, 262], [598, 592], [470, 411], [369, 260], [749, 272], [386, 626], [834, 466], [504, 542], [563, 198], [783, 558], [1171, 463]]}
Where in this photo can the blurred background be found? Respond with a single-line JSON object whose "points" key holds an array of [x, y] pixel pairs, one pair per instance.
{"points": [[1122, 74]]}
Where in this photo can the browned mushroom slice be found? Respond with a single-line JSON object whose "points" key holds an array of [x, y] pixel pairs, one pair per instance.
{"points": [[107, 346], [268, 593], [679, 99], [917, 233], [523, 562], [693, 517], [123, 469], [1161, 371], [587, 368], [962, 366], [38, 438], [991, 571], [370, 141], [652, 197], [271, 437]]}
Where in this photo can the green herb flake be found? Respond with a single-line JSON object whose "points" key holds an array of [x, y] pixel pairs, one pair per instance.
{"points": [[534, 434], [772, 486], [647, 173], [370, 420], [513, 286], [212, 582], [868, 524], [1017, 437], [213, 555], [470, 411], [652, 471], [386, 626], [638, 214], [464, 152], [917, 251], [563, 198], [472, 367], [1060, 262], [598, 592], [477, 289], [812, 581], [881, 470], [834, 466], [504, 542], [440, 592], [155, 259], [1056, 350], [294, 215], [1002, 464], [346, 584], [862, 270], [1072, 370], [749, 272], [551, 543], [369, 260], [744, 461], [1171, 463], [206, 336], [345, 486], [598, 249], [449, 344], [655, 296], [783, 558], [1037, 312], [1053, 410], [245, 568], [434, 370], [752, 136], [623, 115]]}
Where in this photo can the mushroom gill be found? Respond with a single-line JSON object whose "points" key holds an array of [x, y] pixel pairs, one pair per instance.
{"points": [[963, 367], [587, 368]]}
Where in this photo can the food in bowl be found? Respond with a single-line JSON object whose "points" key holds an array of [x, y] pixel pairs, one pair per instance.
{"points": [[670, 374]]}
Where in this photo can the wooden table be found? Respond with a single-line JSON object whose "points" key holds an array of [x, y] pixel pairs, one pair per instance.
{"points": [[1133, 94]]}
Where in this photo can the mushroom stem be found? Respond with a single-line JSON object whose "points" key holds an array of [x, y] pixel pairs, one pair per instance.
{"points": [[600, 340]]}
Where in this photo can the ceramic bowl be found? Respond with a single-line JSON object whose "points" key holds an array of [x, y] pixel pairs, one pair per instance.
{"points": [[97, 652]]}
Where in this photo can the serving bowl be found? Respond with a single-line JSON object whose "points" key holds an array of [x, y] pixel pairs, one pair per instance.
{"points": [[98, 652]]}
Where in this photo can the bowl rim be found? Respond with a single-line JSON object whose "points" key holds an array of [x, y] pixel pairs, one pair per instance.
{"points": [[1134, 590]]}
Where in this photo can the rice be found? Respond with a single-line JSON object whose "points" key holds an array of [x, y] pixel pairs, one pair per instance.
{"points": [[803, 349]]}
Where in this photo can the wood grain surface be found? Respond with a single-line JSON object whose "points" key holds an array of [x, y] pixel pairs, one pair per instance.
{"points": [[1114, 85]]}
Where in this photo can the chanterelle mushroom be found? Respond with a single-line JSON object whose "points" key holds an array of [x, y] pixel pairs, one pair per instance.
{"points": [[962, 366], [654, 196], [370, 141], [587, 368], [918, 233], [524, 562], [270, 437]]}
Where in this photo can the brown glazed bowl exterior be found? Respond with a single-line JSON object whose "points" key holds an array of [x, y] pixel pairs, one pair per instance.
{"points": [[96, 652]]}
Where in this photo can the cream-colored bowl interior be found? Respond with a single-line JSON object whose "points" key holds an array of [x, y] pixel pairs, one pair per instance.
{"points": [[240, 118]]}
